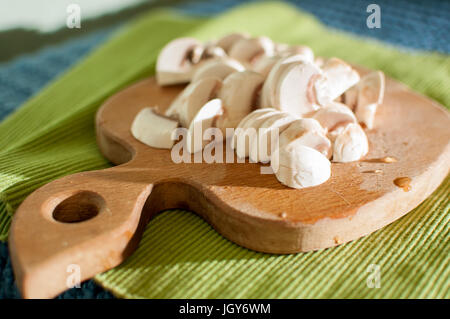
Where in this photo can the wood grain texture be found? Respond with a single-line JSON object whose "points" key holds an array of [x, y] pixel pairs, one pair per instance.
{"points": [[250, 209]]}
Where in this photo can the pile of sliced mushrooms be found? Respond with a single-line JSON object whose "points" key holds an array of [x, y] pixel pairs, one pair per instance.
{"points": [[317, 105]]}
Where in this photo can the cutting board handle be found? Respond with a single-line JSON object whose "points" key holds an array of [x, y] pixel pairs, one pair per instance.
{"points": [[76, 227]]}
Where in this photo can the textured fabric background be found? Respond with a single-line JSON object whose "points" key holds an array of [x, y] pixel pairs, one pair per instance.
{"points": [[33, 73]]}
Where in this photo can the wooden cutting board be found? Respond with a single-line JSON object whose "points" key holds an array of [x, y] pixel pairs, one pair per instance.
{"points": [[94, 220]]}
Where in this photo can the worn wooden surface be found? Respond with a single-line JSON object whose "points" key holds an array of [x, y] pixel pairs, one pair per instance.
{"points": [[112, 206]]}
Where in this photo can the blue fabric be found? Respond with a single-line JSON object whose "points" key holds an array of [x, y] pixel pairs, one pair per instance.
{"points": [[25, 76], [415, 24], [421, 24], [19, 80]]}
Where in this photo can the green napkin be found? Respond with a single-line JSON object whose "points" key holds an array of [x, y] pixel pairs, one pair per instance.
{"points": [[180, 256]]}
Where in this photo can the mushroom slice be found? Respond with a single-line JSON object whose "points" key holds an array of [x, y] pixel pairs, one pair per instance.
{"points": [[307, 132], [226, 42], [334, 115], [212, 51], [243, 135], [292, 89], [319, 61], [239, 95], [269, 87], [153, 129], [370, 95], [261, 146], [203, 120], [337, 78], [244, 121], [193, 97], [264, 64], [304, 50], [206, 52], [350, 97], [351, 145], [245, 50], [299, 166], [174, 63], [253, 114], [217, 68]]}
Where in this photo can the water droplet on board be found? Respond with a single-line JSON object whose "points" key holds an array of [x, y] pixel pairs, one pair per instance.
{"points": [[374, 171], [386, 159], [403, 182]]}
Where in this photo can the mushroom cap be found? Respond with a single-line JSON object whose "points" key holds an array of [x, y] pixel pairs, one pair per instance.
{"points": [[261, 146], [351, 145], [334, 115], [370, 95], [192, 98], [243, 135], [203, 120], [291, 91], [307, 132], [337, 78], [245, 50], [299, 166], [269, 87], [227, 41], [239, 95], [173, 65], [219, 68], [153, 129]]}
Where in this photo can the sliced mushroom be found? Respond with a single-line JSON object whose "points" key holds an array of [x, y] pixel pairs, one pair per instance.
{"points": [[207, 51], [203, 120], [244, 121], [292, 89], [270, 85], [350, 97], [337, 78], [307, 132], [319, 61], [334, 115], [217, 68], [239, 95], [226, 42], [261, 146], [253, 114], [351, 145], [286, 50], [153, 129], [193, 97], [370, 95], [243, 135], [299, 166], [174, 63], [264, 64], [245, 50]]}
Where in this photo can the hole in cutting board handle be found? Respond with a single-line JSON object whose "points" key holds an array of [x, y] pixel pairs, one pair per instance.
{"points": [[77, 208]]}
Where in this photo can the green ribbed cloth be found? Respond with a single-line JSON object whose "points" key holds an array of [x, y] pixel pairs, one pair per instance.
{"points": [[180, 256]]}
